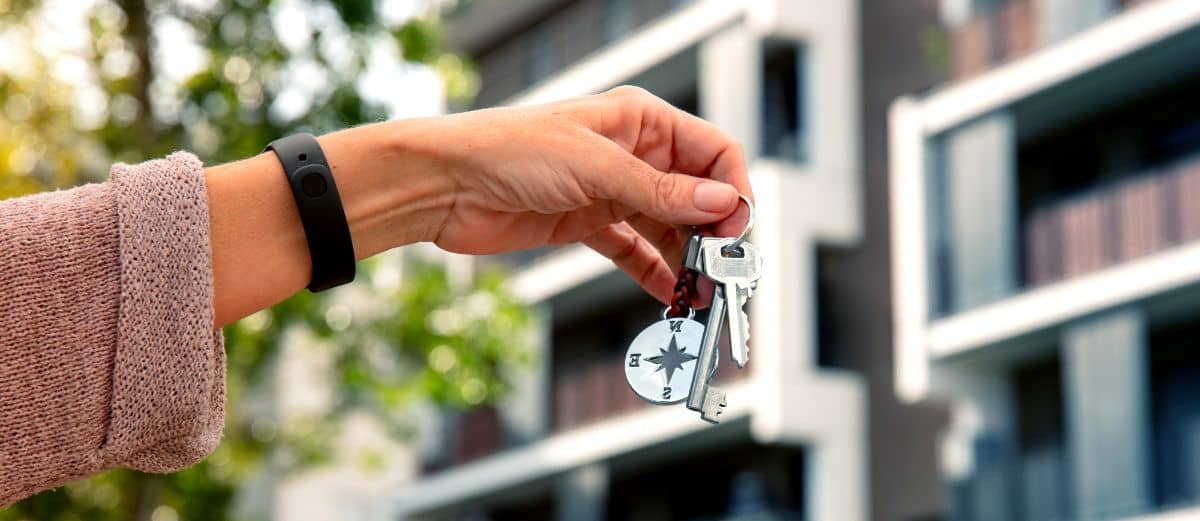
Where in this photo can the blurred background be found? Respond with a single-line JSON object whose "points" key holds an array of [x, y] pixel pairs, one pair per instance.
{"points": [[978, 219]]}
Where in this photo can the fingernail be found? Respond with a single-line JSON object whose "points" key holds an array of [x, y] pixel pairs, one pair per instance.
{"points": [[713, 196]]}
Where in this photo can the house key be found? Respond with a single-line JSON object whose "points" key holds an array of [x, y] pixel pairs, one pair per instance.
{"points": [[736, 271], [735, 266]]}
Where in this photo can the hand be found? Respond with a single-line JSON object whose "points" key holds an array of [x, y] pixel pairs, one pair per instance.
{"points": [[617, 171]]}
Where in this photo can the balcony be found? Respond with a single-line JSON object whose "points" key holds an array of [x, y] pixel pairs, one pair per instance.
{"points": [[1010, 29], [992, 37], [558, 39], [729, 483], [1033, 153], [1026, 464], [478, 433], [733, 481], [1020, 471], [586, 383], [1050, 189], [595, 389], [1106, 226]]}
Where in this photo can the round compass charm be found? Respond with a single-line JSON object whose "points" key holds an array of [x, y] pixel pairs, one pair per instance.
{"points": [[662, 359]]}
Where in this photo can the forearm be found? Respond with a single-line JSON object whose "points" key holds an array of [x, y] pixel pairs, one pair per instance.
{"points": [[392, 188], [108, 357]]}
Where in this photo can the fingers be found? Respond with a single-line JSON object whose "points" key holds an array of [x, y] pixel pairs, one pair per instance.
{"points": [[672, 140], [670, 241], [649, 126], [702, 149], [667, 239], [636, 257], [670, 198]]}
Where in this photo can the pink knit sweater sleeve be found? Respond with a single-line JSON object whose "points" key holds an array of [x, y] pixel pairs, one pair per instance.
{"points": [[108, 356]]}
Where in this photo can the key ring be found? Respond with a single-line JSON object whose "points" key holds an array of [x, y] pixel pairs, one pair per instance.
{"points": [[691, 313], [736, 245]]}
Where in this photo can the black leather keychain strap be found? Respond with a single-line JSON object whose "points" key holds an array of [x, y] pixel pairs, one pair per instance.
{"points": [[324, 220]]}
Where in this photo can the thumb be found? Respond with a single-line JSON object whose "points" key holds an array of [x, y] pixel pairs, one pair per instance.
{"points": [[669, 198]]}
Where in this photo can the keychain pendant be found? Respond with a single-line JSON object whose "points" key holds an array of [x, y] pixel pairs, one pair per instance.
{"points": [[661, 361]]}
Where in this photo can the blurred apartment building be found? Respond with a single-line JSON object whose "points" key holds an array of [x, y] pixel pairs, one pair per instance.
{"points": [[1045, 206], [574, 443]]}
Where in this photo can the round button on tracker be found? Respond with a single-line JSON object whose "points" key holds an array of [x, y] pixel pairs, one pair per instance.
{"points": [[313, 184], [312, 180]]}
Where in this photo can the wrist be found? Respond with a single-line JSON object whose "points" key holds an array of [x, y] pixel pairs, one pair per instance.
{"points": [[391, 187]]}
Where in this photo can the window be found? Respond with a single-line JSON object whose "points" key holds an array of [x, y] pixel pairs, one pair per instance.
{"points": [[747, 482], [1042, 471], [1174, 386], [1021, 473], [674, 80], [783, 129], [537, 508]]}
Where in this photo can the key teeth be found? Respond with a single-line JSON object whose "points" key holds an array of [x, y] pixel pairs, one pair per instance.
{"points": [[714, 405], [745, 352], [742, 355]]}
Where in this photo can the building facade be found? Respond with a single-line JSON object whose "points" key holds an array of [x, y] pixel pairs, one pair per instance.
{"points": [[573, 442], [1045, 263]]}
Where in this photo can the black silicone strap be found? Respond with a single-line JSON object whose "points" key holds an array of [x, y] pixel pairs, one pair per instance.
{"points": [[316, 195]]}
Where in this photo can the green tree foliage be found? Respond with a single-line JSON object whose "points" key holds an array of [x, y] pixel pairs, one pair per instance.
{"points": [[406, 332]]}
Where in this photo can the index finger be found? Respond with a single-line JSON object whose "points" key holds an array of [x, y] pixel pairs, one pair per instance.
{"points": [[672, 140], [702, 149]]}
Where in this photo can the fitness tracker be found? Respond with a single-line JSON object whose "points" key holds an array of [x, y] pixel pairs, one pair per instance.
{"points": [[325, 227]]}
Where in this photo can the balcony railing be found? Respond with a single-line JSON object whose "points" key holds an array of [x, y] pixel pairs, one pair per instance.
{"points": [[597, 390], [1000, 34], [1112, 225], [992, 37], [584, 393], [559, 40], [471, 435]]}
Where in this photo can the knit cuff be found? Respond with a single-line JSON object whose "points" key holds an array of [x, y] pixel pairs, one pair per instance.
{"points": [[169, 372]]}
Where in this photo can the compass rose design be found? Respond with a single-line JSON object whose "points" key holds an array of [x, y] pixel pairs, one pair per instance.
{"points": [[671, 359], [656, 363]]}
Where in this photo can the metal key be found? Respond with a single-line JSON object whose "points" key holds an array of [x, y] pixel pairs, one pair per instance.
{"points": [[703, 397], [736, 268]]}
